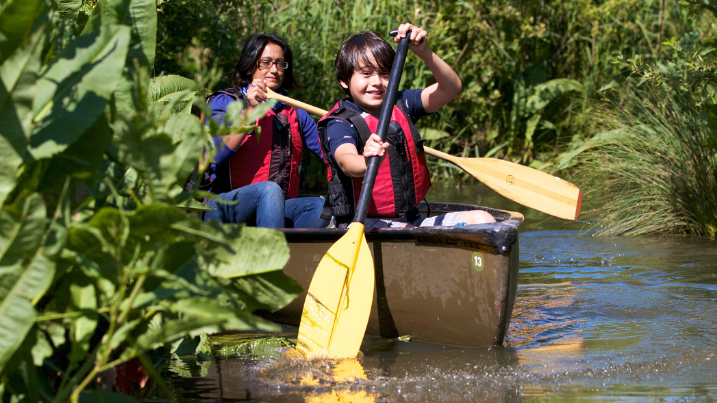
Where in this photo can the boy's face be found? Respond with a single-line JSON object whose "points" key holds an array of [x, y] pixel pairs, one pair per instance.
{"points": [[368, 88]]}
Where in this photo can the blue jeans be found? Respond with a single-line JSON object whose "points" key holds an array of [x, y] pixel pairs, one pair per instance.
{"points": [[262, 204]]}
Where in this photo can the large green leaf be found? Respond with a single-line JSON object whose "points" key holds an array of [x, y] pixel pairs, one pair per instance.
{"points": [[74, 91], [170, 95], [17, 18], [85, 155], [200, 307], [254, 251], [18, 75], [141, 15], [17, 314], [164, 166], [543, 93], [21, 229], [83, 298], [181, 126], [167, 88], [68, 9], [170, 331], [268, 291]]}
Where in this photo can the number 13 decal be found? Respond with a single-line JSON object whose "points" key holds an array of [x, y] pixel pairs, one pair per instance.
{"points": [[477, 261]]}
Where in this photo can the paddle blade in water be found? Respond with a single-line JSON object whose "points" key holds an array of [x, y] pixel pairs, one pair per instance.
{"points": [[338, 303]]}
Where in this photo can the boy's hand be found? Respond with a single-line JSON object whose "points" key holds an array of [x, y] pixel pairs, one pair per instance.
{"points": [[373, 147], [418, 42]]}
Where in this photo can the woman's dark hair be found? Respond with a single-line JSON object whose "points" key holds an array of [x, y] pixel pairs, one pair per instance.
{"points": [[251, 54], [366, 49]]}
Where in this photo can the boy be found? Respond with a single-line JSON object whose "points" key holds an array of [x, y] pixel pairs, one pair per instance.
{"points": [[363, 67]]}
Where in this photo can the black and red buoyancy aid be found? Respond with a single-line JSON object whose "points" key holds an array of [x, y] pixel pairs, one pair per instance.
{"points": [[403, 178], [274, 157]]}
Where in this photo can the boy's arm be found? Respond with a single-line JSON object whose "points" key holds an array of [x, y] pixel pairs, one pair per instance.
{"points": [[353, 164], [447, 85]]}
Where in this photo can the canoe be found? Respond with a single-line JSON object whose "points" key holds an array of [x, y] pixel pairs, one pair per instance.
{"points": [[445, 285]]}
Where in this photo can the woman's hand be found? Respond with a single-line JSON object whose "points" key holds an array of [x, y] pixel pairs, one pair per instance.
{"points": [[256, 93]]}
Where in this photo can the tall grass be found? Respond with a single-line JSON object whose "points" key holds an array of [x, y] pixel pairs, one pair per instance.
{"points": [[647, 170]]}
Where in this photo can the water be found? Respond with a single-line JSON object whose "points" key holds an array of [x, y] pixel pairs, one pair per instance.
{"points": [[600, 319]]}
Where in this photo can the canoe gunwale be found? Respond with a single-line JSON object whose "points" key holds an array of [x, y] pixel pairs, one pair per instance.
{"points": [[501, 235]]}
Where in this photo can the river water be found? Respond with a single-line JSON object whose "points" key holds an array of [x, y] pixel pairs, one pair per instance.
{"points": [[605, 319]]}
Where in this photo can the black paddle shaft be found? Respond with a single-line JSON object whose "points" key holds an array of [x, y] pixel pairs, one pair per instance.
{"points": [[384, 120]]}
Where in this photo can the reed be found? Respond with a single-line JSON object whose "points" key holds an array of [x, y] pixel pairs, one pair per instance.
{"points": [[648, 171]]}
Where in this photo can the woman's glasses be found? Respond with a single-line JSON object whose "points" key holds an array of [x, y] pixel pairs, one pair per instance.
{"points": [[266, 64]]}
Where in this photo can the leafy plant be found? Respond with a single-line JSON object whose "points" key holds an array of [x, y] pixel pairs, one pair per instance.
{"points": [[98, 263]]}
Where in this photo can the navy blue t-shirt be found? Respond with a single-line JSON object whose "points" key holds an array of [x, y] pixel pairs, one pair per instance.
{"points": [[340, 132]]}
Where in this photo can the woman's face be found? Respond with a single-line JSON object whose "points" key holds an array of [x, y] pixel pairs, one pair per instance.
{"points": [[273, 76]]}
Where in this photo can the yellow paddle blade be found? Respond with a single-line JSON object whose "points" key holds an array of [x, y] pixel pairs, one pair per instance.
{"points": [[525, 185], [338, 303]]}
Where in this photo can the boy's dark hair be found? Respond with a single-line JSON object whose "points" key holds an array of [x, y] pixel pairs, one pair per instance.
{"points": [[251, 54], [365, 48]]}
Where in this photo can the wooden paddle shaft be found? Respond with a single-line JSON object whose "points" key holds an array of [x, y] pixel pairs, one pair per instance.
{"points": [[298, 104], [384, 120]]}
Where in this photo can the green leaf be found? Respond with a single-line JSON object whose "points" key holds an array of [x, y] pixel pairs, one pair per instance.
{"points": [[18, 77], [16, 21], [141, 16], [170, 331], [167, 88], [21, 230], [41, 350], [433, 134], [253, 250], [16, 320], [163, 166], [548, 91], [17, 314], [74, 91], [206, 308], [68, 9], [82, 158], [83, 297], [268, 291]]}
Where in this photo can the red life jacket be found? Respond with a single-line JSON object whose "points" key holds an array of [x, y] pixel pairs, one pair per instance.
{"points": [[403, 178], [275, 157]]}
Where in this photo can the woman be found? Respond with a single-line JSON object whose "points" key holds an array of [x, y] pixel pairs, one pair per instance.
{"points": [[262, 172]]}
